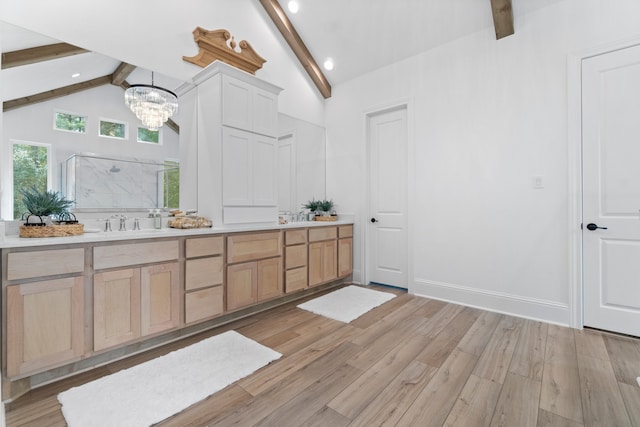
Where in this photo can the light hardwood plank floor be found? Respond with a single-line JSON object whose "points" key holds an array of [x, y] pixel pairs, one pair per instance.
{"points": [[409, 362]]}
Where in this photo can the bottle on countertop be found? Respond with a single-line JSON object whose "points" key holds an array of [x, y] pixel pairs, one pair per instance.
{"points": [[157, 219]]}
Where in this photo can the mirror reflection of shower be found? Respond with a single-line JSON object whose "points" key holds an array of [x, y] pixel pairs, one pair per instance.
{"points": [[95, 182]]}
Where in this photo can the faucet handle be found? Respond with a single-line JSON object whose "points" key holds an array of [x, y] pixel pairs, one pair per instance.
{"points": [[107, 223]]}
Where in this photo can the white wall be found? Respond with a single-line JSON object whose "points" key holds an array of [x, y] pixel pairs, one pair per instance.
{"points": [[34, 123], [485, 117]]}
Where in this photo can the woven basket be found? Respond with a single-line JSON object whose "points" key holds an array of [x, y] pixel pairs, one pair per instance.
{"points": [[325, 218], [52, 230]]}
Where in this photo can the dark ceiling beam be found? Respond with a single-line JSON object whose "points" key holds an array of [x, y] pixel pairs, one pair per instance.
{"points": [[502, 18], [55, 93], [121, 73], [39, 54], [281, 21]]}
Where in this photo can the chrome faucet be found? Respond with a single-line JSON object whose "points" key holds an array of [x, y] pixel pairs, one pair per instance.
{"points": [[123, 223], [136, 223]]}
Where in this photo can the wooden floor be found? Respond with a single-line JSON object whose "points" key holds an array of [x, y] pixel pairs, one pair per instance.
{"points": [[410, 362]]}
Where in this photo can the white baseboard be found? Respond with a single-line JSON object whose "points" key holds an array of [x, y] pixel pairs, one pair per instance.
{"points": [[514, 305]]}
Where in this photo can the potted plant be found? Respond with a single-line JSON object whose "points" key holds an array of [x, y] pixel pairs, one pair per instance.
{"points": [[326, 206], [313, 205], [44, 204]]}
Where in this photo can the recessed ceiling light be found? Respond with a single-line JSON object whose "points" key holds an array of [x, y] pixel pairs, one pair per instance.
{"points": [[328, 64], [75, 75], [293, 6]]}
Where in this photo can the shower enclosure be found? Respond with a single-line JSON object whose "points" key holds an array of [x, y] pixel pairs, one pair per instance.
{"points": [[102, 183]]}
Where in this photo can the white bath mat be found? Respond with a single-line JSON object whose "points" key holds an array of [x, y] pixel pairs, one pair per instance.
{"points": [[347, 304], [153, 391]]}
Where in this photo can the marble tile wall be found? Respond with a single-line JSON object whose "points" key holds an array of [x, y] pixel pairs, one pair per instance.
{"points": [[95, 183]]}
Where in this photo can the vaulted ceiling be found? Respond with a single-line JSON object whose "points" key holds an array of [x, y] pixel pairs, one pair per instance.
{"points": [[359, 35]]}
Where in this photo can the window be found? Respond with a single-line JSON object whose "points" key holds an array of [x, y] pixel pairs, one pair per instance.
{"points": [[30, 169], [113, 129], [70, 122], [171, 184], [149, 136]]}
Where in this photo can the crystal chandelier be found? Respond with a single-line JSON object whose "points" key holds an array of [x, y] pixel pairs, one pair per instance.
{"points": [[151, 104]]}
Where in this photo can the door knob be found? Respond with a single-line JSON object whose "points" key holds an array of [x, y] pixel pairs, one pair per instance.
{"points": [[374, 220], [591, 226]]}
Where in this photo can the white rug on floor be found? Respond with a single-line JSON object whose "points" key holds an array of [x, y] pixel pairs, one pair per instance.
{"points": [[347, 304], [153, 391]]}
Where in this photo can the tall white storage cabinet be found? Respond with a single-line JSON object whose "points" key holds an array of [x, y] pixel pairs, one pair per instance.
{"points": [[234, 147]]}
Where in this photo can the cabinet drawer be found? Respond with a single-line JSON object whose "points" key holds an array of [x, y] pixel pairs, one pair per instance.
{"points": [[204, 246], [248, 247], [295, 237], [324, 233], [345, 231], [295, 256], [134, 253], [202, 304], [203, 272], [295, 279], [24, 265]]}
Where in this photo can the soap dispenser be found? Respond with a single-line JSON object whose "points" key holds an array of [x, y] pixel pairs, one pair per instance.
{"points": [[157, 219]]}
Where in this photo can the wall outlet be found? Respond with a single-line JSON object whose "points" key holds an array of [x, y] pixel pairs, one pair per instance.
{"points": [[537, 182]]}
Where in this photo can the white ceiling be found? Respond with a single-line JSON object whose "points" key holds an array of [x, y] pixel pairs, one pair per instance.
{"points": [[360, 35]]}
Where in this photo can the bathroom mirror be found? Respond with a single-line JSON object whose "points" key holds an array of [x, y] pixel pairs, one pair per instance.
{"points": [[301, 144], [301, 163]]}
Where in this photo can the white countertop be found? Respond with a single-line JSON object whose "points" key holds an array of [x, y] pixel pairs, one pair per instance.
{"points": [[110, 236]]}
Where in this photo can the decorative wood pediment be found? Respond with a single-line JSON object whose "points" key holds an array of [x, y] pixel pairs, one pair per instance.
{"points": [[220, 45]]}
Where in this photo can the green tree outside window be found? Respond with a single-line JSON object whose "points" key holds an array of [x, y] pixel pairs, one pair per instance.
{"points": [[30, 170]]}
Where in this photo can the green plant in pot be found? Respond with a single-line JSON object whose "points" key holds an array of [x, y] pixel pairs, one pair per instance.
{"points": [[313, 205], [326, 206], [42, 204]]}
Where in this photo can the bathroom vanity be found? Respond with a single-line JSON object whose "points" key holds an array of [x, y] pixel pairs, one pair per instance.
{"points": [[74, 303]]}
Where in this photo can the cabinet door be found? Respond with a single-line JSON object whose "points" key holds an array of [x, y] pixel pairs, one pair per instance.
{"points": [[345, 257], [264, 167], [323, 262], [269, 278], [330, 260], [116, 307], [237, 100], [159, 300], [295, 279], [242, 285], [316, 266], [237, 176], [265, 112], [44, 325]]}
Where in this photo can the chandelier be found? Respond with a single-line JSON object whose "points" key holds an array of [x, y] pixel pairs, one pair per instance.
{"points": [[151, 104]]}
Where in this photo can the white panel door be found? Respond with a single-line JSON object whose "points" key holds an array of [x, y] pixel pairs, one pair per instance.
{"points": [[264, 170], [236, 168], [611, 190], [387, 247], [265, 112]]}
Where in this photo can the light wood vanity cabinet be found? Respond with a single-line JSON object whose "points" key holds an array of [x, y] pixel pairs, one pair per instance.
{"points": [[65, 305], [204, 278], [254, 268]]}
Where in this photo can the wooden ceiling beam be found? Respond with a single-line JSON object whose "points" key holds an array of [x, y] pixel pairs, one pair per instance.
{"points": [[121, 73], [55, 93], [502, 18], [282, 22], [39, 54]]}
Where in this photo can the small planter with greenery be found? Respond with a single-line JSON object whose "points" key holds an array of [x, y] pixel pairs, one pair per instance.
{"points": [[321, 208], [45, 204]]}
